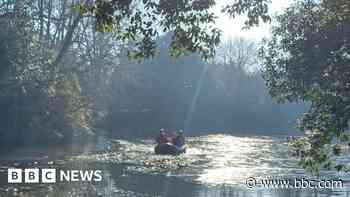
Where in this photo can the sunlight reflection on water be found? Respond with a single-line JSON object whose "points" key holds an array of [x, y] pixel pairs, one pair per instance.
{"points": [[214, 165], [233, 159]]}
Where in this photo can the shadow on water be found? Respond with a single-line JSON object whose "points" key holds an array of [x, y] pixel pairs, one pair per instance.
{"points": [[214, 165]]}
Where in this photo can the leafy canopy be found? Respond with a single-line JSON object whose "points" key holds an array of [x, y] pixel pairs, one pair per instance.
{"points": [[192, 22], [308, 59]]}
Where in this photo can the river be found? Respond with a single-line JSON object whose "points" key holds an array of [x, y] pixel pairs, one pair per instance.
{"points": [[213, 166]]}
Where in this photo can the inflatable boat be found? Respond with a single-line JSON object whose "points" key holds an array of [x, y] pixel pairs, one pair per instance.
{"points": [[169, 149]]}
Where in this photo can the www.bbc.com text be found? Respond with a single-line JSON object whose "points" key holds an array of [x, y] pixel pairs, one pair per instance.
{"points": [[296, 183]]}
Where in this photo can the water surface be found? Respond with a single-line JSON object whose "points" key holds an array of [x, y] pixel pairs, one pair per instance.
{"points": [[214, 165]]}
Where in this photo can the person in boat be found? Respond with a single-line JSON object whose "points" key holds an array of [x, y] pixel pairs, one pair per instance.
{"points": [[180, 138], [161, 138]]}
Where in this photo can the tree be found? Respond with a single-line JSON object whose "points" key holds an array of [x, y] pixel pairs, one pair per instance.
{"points": [[47, 56], [308, 59], [42, 103], [234, 59], [191, 22], [238, 52]]}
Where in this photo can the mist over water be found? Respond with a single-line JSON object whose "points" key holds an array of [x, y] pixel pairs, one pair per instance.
{"points": [[214, 165]]}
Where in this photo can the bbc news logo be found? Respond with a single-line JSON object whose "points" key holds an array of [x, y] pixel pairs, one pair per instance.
{"points": [[35, 175]]}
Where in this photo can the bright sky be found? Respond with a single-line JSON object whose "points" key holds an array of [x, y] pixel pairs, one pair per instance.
{"points": [[233, 27]]}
